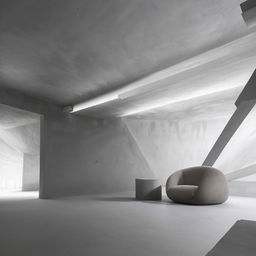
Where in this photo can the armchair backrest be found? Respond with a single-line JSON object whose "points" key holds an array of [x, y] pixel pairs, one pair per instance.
{"points": [[193, 175], [190, 176]]}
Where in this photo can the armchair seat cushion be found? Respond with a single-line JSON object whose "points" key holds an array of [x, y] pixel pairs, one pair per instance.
{"points": [[181, 193]]}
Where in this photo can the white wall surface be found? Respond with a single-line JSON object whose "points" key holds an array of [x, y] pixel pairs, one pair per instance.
{"points": [[11, 165], [19, 136]]}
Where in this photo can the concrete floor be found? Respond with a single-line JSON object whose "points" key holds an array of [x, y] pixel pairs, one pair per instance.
{"points": [[113, 225]]}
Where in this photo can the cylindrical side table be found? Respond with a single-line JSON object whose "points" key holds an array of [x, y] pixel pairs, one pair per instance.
{"points": [[148, 189]]}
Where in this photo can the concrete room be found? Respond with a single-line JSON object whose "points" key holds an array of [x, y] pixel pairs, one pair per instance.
{"points": [[96, 94]]}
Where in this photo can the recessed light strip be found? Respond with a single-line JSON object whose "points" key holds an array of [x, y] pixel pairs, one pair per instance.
{"points": [[94, 102]]}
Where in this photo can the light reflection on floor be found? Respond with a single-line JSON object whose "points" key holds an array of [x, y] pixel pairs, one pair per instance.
{"points": [[14, 195]]}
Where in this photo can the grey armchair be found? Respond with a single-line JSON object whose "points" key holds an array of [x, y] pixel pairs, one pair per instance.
{"points": [[200, 185]]}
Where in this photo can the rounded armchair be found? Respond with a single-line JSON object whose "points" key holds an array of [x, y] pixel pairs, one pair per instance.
{"points": [[197, 185]]}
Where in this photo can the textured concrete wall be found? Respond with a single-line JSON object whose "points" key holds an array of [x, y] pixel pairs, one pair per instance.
{"points": [[31, 170], [172, 145], [169, 146], [80, 155]]}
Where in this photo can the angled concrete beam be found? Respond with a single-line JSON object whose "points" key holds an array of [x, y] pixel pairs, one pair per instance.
{"points": [[244, 103], [244, 172], [249, 12], [235, 121], [249, 91]]}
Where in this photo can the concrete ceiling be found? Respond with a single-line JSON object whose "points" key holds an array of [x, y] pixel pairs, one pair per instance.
{"points": [[225, 70], [67, 51]]}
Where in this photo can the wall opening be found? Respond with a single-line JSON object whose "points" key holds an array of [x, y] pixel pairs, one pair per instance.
{"points": [[19, 150]]}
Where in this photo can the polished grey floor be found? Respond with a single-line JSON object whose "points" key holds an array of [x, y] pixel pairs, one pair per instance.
{"points": [[114, 225]]}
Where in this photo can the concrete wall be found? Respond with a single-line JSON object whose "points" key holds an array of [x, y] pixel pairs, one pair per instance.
{"points": [[88, 156], [172, 145], [31, 170], [11, 163], [243, 188]]}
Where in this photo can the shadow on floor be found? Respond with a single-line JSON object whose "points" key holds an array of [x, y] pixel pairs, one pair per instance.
{"points": [[164, 201], [132, 199], [115, 199]]}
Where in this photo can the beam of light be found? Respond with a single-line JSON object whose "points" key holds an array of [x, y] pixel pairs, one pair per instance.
{"points": [[163, 103], [95, 102], [18, 195]]}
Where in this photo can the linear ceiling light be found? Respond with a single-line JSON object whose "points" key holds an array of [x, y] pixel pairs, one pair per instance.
{"points": [[93, 102], [249, 12], [141, 85], [163, 103]]}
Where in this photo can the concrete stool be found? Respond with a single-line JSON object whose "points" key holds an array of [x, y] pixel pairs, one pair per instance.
{"points": [[148, 189]]}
